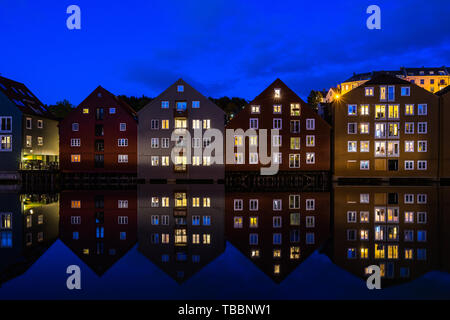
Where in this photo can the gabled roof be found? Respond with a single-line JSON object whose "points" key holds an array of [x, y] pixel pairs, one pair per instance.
{"points": [[433, 71], [370, 75], [23, 98], [384, 78]]}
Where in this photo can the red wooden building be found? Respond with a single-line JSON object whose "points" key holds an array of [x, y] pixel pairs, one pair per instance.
{"points": [[99, 136]]}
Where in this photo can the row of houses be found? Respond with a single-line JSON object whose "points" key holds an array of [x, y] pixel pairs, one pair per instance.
{"points": [[385, 127]]}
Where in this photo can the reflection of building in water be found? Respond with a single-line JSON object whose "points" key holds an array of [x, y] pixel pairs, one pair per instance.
{"points": [[444, 226], [180, 227], [28, 227], [277, 231], [395, 228], [98, 226]]}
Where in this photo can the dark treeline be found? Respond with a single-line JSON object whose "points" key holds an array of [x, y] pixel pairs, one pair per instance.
{"points": [[230, 105]]}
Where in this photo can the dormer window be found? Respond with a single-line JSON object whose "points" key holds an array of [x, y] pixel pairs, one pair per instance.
{"points": [[180, 88], [277, 93]]}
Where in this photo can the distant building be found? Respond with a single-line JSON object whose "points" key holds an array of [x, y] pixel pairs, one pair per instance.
{"points": [[277, 231], [444, 131], [431, 79], [179, 120], [28, 131], [387, 127], [303, 140], [99, 226], [181, 227], [99, 136], [395, 228]]}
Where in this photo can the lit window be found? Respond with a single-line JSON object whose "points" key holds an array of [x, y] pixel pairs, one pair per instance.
{"points": [[164, 124], [380, 111], [294, 160], [352, 146], [75, 204], [255, 109], [277, 93], [364, 110], [310, 141], [206, 124], [122, 158], [364, 146], [409, 109], [310, 157], [277, 109], [295, 109], [369, 92], [85, 110], [75, 158]]}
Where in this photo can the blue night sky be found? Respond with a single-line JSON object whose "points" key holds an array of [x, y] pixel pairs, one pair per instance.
{"points": [[231, 47]]}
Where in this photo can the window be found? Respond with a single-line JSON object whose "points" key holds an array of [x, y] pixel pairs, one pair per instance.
{"points": [[6, 220], [123, 142], [364, 164], [206, 202], [28, 123], [155, 161], [276, 141], [253, 140], [380, 214], [5, 143], [276, 222], [165, 142], [421, 217], [310, 141], [294, 160], [295, 109], [180, 88], [380, 130], [409, 198], [165, 124], [75, 158], [409, 217], [310, 204], [364, 128], [238, 222], [75, 142], [369, 92], [206, 124], [351, 110], [276, 238], [310, 222], [393, 111], [277, 204], [383, 93], [422, 165], [255, 109], [351, 216], [277, 123], [409, 165], [364, 146], [85, 110], [351, 146], [277, 109], [253, 238], [380, 148], [409, 110], [75, 204], [195, 104], [409, 127], [422, 146], [364, 217], [422, 127], [422, 198], [6, 124], [391, 93], [295, 219], [294, 201], [380, 111], [155, 143], [310, 124], [277, 93], [40, 124], [364, 110], [310, 158], [75, 220], [238, 158], [253, 123], [405, 91], [295, 143], [421, 235], [154, 124], [277, 157], [253, 158], [409, 146], [196, 124], [393, 148], [422, 109], [122, 204], [253, 222], [164, 104], [351, 128], [28, 141]]}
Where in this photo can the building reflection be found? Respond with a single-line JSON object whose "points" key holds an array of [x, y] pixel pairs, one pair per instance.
{"points": [[396, 228], [28, 227], [444, 228], [277, 231], [181, 227], [99, 226]]}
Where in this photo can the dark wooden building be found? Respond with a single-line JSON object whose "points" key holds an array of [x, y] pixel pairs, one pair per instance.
{"points": [[303, 140], [99, 136]]}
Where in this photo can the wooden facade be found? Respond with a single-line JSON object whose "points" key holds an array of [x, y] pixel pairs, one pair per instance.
{"points": [[99, 136]]}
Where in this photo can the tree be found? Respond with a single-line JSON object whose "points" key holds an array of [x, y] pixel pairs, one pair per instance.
{"points": [[314, 98], [135, 102], [61, 109], [230, 106]]}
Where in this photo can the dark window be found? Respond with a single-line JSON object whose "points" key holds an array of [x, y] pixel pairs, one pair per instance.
{"points": [[99, 202], [100, 246], [99, 145], [99, 217], [99, 130], [393, 198], [99, 161], [393, 165], [99, 114]]}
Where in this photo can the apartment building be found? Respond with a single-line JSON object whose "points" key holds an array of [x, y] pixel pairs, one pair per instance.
{"points": [[277, 231], [99, 136], [181, 227], [28, 131], [386, 127], [444, 131], [182, 122], [395, 228], [302, 141], [99, 226], [431, 79]]}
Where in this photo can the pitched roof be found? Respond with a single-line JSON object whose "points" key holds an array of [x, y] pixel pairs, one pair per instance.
{"points": [[385, 78], [433, 71], [23, 98], [370, 75]]}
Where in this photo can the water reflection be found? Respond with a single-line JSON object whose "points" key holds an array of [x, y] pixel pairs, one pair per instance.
{"points": [[182, 228], [98, 226], [277, 231], [29, 226]]}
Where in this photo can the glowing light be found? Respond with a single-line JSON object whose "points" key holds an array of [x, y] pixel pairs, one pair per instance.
{"points": [[336, 96]]}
